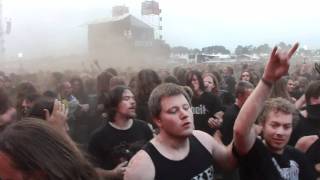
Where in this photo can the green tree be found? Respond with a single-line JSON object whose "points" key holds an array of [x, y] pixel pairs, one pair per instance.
{"points": [[215, 50], [240, 50], [180, 50], [263, 49]]}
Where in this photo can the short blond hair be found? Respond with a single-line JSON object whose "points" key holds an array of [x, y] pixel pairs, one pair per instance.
{"points": [[278, 104]]}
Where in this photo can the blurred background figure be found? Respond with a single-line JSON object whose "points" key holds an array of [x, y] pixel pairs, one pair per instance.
{"points": [[211, 83], [147, 80]]}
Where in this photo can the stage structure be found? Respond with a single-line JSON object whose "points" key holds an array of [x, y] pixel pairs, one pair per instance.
{"points": [[124, 40]]}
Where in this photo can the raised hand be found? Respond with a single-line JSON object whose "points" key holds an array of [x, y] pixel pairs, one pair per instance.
{"points": [[58, 117], [278, 64]]}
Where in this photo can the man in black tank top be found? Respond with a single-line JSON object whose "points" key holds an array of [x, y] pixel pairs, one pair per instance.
{"points": [[178, 152], [270, 158]]}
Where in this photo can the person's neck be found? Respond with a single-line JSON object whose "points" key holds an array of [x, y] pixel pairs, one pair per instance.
{"points": [[275, 151], [121, 123], [172, 142]]}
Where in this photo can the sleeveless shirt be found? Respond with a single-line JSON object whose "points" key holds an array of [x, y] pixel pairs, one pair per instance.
{"points": [[197, 165]]}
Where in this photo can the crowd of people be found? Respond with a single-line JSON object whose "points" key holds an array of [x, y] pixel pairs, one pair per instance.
{"points": [[247, 121]]}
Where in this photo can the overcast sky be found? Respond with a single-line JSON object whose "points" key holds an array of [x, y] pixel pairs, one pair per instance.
{"points": [[55, 27]]}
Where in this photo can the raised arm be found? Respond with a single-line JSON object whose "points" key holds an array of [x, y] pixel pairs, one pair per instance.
{"points": [[277, 66]]}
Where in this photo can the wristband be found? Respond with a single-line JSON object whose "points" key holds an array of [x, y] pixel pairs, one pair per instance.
{"points": [[266, 82]]}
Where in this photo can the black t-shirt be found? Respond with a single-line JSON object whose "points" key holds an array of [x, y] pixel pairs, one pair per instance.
{"points": [[204, 107], [261, 164], [229, 118], [109, 146], [304, 127], [314, 156], [226, 97]]}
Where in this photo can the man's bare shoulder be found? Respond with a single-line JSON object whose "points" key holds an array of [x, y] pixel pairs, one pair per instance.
{"points": [[140, 167], [220, 152], [206, 140], [200, 135]]}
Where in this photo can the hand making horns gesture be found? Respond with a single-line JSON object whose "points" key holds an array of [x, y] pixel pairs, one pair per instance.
{"points": [[278, 64]]}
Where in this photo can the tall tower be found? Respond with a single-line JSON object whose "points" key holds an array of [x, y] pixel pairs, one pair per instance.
{"points": [[150, 12]]}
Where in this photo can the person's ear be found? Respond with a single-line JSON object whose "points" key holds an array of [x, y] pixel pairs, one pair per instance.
{"points": [[157, 121], [258, 129]]}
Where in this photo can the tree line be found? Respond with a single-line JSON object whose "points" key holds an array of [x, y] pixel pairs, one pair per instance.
{"points": [[242, 50]]}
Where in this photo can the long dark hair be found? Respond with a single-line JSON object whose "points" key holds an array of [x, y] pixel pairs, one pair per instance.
{"points": [[113, 100], [22, 90], [214, 90], [103, 87], [280, 90], [103, 80], [147, 80], [198, 76], [34, 146]]}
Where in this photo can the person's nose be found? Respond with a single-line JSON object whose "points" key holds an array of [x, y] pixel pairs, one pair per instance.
{"points": [[24, 103], [132, 101], [184, 113], [280, 131]]}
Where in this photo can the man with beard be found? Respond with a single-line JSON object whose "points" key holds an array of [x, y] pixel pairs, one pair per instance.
{"points": [[269, 158], [121, 137]]}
